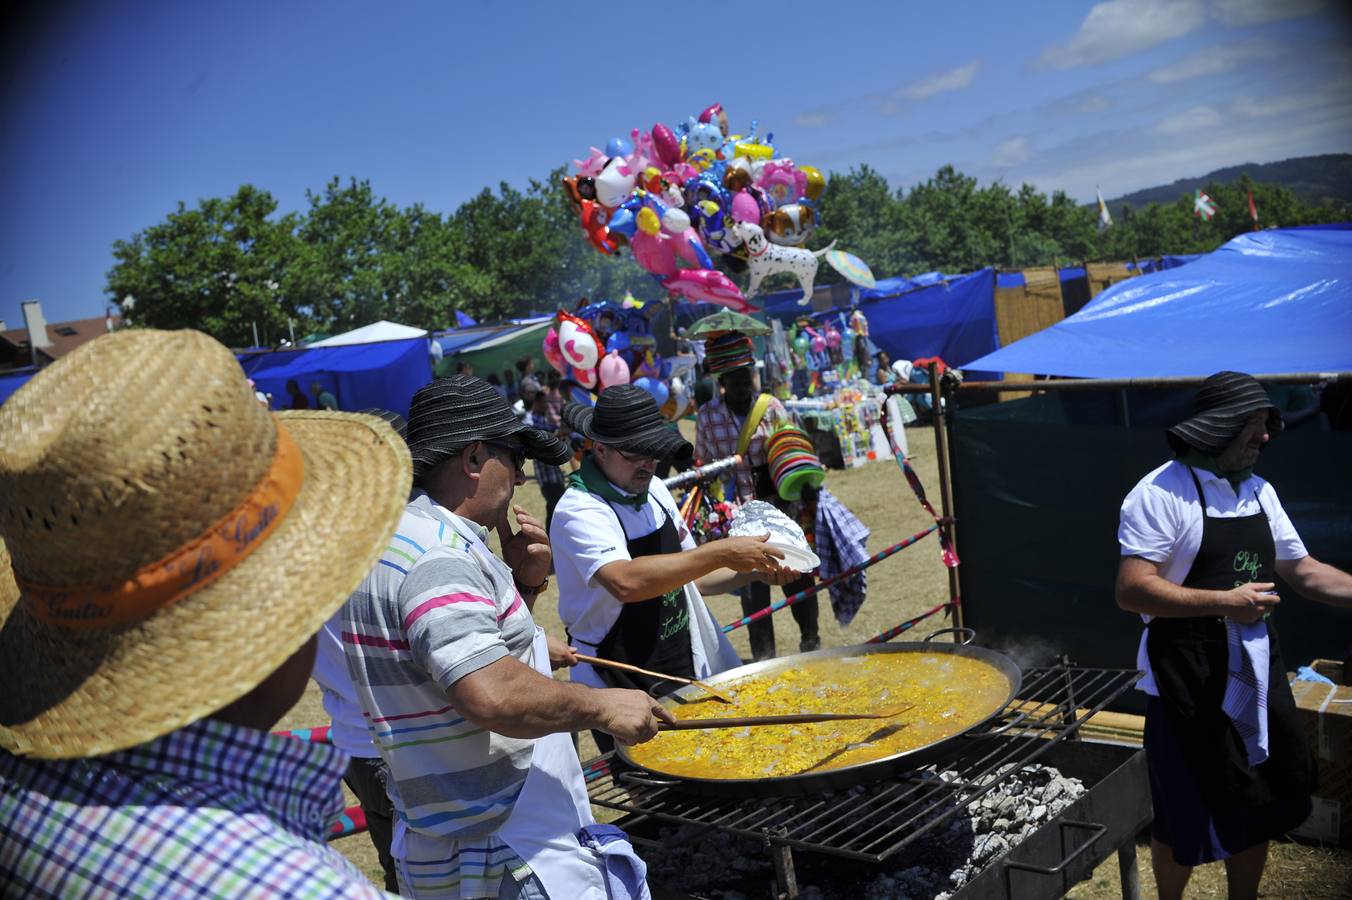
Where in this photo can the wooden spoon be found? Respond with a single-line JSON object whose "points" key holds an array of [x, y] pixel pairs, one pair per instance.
{"points": [[790, 719], [625, 667]]}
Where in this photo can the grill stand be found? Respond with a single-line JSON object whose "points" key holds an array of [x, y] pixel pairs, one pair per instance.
{"points": [[874, 824]]}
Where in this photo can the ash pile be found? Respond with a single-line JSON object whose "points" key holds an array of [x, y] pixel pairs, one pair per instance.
{"points": [[719, 866]]}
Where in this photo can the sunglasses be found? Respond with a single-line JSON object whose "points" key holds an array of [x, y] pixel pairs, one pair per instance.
{"points": [[635, 457], [515, 450]]}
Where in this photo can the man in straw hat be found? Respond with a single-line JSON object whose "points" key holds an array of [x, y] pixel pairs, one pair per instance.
{"points": [[630, 575], [454, 674], [1202, 538], [170, 549], [740, 422]]}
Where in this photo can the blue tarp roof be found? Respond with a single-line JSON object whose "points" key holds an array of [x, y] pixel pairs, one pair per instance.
{"points": [[1267, 302], [382, 375], [12, 381]]}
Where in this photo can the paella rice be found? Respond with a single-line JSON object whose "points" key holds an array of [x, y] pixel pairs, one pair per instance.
{"points": [[948, 694]]}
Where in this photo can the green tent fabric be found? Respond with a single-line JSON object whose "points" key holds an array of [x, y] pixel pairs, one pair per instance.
{"points": [[501, 351]]}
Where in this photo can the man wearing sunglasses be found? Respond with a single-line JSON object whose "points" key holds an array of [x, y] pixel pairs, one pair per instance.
{"points": [[630, 575], [453, 674]]}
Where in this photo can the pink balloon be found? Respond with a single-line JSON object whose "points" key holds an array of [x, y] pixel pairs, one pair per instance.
{"points": [[708, 286], [585, 377], [745, 208], [613, 370], [667, 146], [654, 252], [554, 353]]}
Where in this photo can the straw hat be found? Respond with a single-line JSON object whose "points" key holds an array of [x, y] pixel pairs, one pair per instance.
{"points": [[167, 542]]}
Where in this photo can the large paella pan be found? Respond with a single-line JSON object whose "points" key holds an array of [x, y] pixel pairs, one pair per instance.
{"points": [[950, 690]]}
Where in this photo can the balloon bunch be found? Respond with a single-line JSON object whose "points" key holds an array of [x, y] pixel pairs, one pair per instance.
{"points": [[599, 345], [673, 196]]}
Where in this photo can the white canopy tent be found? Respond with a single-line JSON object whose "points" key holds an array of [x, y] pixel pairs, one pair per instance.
{"points": [[370, 334]]}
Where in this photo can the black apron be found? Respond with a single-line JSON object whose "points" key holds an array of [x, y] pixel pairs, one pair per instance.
{"points": [[654, 633], [1189, 659]]}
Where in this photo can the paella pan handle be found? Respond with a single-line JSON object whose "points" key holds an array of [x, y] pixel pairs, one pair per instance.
{"points": [[1015, 720], [633, 778], [968, 633]]}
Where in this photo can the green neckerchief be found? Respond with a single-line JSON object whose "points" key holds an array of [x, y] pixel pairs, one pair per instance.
{"points": [[1198, 459], [591, 479]]}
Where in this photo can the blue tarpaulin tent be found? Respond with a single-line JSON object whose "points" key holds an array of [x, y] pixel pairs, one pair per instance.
{"points": [[383, 375], [12, 381], [1270, 302]]}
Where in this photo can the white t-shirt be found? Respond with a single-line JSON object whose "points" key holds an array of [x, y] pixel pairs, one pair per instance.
{"points": [[585, 536], [347, 730], [1161, 522]]}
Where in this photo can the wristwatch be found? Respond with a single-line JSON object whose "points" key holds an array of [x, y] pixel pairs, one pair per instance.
{"points": [[536, 589]]}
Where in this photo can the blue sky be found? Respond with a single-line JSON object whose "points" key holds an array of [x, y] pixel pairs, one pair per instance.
{"points": [[112, 113]]}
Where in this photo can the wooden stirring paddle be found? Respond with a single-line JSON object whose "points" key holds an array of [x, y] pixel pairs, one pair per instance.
{"points": [[791, 719], [625, 667]]}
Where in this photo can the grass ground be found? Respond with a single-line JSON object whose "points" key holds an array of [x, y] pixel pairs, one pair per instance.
{"points": [[899, 588]]}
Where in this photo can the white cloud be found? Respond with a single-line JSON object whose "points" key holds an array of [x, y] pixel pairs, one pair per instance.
{"points": [[1138, 159], [1198, 118], [1012, 152], [1214, 60], [811, 119], [1118, 28], [952, 80], [1252, 12]]}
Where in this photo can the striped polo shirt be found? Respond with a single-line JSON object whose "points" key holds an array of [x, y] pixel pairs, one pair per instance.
{"points": [[437, 607]]}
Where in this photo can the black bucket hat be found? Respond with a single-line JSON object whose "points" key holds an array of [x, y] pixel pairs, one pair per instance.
{"points": [[1223, 404], [449, 414], [627, 418]]}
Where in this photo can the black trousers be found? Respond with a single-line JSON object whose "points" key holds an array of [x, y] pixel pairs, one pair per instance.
{"points": [[366, 778], [756, 597]]}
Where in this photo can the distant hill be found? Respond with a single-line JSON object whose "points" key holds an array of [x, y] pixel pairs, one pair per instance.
{"points": [[1312, 178]]}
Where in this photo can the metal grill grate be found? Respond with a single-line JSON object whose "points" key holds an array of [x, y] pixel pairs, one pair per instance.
{"points": [[875, 823]]}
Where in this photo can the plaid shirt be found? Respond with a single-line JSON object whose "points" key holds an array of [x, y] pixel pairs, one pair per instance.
{"points": [[841, 544], [544, 472], [210, 810], [716, 431]]}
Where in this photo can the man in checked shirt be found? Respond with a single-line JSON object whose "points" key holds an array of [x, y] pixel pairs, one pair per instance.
{"points": [[740, 421]]}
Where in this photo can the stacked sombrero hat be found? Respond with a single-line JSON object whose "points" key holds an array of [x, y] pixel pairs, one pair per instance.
{"points": [[793, 464], [728, 351]]}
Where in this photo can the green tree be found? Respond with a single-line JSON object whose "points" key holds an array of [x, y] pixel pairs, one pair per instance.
{"points": [[218, 267]]}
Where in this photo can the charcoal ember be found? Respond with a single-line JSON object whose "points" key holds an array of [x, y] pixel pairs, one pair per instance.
{"points": [[1039, 813], [988, 848]]}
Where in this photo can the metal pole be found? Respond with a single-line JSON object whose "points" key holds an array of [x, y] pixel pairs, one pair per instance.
{"points": [[1116, 384], [255, 329], [945, 490], [1126, 868], [291, 328]]}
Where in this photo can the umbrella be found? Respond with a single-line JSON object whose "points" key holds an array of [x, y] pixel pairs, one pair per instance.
{"points": [[726, 320], [852, 267]]}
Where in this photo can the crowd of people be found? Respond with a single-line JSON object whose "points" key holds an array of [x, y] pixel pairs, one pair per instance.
{"points": [[177, 562]]}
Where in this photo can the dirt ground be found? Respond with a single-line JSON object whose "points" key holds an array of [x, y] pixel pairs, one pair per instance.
{"points": [[899, 588]]}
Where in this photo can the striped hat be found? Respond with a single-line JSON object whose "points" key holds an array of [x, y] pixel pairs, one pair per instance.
{"points": [[448, 414], [793, 464], [1223, 404], [728, 351]]}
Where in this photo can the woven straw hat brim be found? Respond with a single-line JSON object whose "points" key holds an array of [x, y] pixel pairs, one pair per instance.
{"points": [[72, 693], [659, 442]]}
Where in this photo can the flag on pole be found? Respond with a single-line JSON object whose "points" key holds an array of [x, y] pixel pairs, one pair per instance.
{"points": [[1203, 206], [1253, 211], [1105, 217]]}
